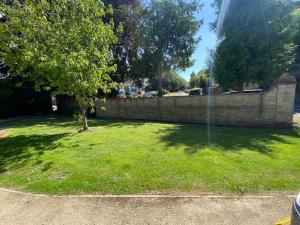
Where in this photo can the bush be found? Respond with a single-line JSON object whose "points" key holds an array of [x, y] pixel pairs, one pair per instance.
{"points": [[18, 97]]}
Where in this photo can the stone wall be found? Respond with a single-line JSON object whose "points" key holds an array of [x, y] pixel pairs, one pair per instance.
{"points": [[273, 108]]}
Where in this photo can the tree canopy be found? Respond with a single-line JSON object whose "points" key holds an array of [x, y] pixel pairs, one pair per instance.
{"points": [[61, 45], [127, 15], [199, 80], [18, 97], [296, 15], [171, 81], [256, 42], [168, 37]]}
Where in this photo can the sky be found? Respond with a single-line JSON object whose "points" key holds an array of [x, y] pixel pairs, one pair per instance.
{"points": [[208, 40]]}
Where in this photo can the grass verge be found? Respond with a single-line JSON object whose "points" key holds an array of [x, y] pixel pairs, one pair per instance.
{"points": [[48, 155]]}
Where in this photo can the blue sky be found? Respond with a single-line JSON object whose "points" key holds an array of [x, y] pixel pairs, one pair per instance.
{"points": [[208, 40]]}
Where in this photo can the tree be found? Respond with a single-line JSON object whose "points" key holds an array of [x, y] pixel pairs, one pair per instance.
{"points": [[61, 45], [167, 37], [171, 81], [199, 80], [17, 94], [296, 15], [127, 14], [256, 42], [174, 82], [18, 97]]}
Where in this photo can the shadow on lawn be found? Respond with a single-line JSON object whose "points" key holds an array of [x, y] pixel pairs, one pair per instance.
{"points": [[195, 138], [63, 121], [17, 151]]}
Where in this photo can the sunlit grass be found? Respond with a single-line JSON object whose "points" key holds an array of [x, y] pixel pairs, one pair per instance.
{"points": [[48, 155]]}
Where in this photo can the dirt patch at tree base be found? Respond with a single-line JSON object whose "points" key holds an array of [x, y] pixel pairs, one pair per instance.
{"points": [[3, 133]]}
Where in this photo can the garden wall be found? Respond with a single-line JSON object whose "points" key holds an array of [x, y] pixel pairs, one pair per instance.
{"points": [[273, 108]]}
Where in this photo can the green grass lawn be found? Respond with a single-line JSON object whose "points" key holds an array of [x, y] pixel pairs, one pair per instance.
{"points": [[47, 155]]}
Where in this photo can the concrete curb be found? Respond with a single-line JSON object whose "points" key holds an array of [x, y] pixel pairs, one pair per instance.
{"points": [[151, 195]]}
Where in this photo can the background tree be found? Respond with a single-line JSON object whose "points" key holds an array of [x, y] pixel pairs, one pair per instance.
{"points": [[62, 45], [256, 42], [296, 15], [127, 14], [199, 80], [18, 97], [168, 37], [171, 82]]}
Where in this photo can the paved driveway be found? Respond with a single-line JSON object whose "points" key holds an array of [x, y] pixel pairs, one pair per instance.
{"points": [[19, 208]]}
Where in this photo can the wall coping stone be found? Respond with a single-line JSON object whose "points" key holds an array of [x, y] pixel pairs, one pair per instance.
{"points": [[287, 78]]}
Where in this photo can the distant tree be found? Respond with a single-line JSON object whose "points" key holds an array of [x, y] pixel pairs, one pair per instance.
{"points": [[61, 45], [199, 80], [296, 16], [193, 82], [168, 38], [171, 82], [256, 42], [127, 19]]}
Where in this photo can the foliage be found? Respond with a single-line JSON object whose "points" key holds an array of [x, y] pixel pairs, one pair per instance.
{"points": [[174, 82], [256, 42], [199, 80], [46, 155], [171, 81], [18, 97], [167, 37], [296, 15], [127, 18], [61, 45]]}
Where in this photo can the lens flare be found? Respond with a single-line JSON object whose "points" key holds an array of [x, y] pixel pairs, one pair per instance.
{"points": [[210, 91]]}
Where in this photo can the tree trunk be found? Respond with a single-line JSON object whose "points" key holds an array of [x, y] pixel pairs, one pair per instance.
{"points": [[85, 126], [240, 87], [159, 80], [84, 121]]}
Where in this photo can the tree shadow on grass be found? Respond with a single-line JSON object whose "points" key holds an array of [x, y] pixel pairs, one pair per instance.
{"points": [[115, 123], [18, 151], [195, 138], [63, 121]]}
